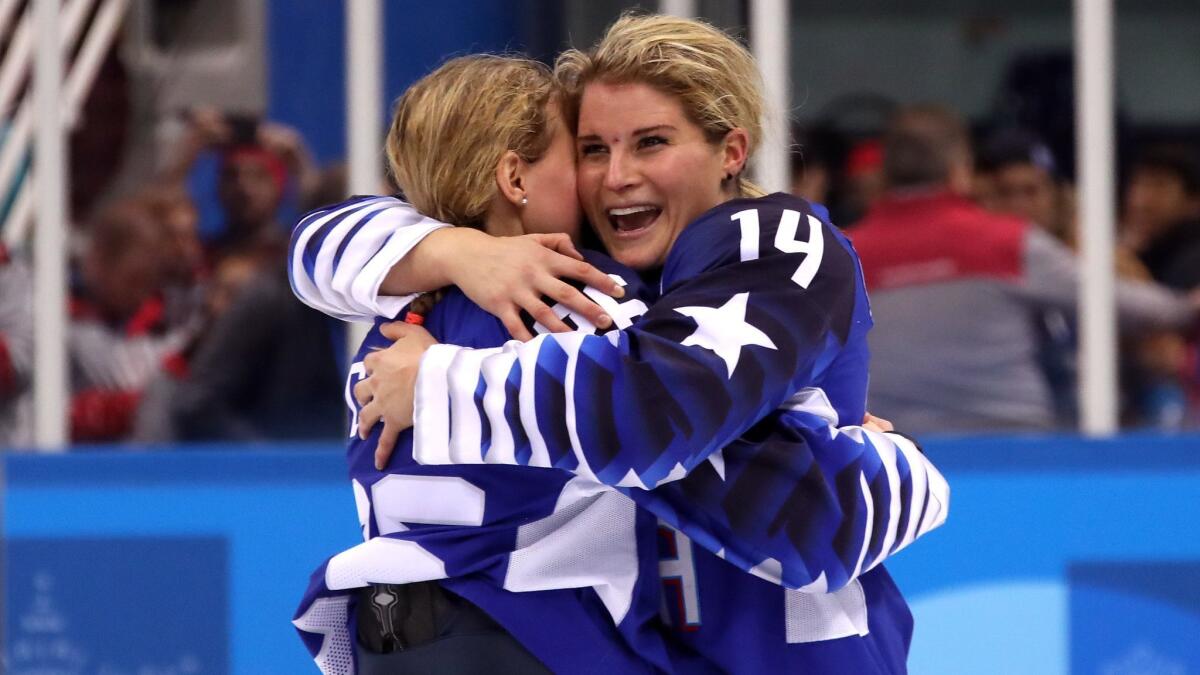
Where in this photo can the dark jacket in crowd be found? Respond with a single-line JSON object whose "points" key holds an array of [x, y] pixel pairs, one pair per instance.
{"points": [[1174, 258], [268, 369]]}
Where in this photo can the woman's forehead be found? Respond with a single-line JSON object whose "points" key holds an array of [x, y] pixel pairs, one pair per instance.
{"points": [[608, 108]]}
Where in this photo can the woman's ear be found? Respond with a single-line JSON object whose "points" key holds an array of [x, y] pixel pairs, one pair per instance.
{"points": [[735, 146], [510, 178]]}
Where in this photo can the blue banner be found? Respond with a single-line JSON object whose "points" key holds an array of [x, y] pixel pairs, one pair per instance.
{"points": [[1060, 555]]}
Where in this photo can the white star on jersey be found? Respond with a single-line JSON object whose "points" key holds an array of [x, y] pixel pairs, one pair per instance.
{"points": [[724, 330]]}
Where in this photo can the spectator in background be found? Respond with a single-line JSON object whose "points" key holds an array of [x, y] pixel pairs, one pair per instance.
{"points": [[1162, 214], [256, 161], [16, 352], [264, 368], [1024, 181], [1016, 175], [812, 177], [1161, 223], [955, 291], [172, 207], [156, 421], [185, 270], [1026, 184], [121, 326], [864, 181], [250, 186], [267, 369]]}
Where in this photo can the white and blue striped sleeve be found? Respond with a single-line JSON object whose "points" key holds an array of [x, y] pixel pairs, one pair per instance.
{"points": [[809, 506], [339, 255]]}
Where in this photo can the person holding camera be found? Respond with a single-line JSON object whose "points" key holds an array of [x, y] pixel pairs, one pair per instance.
{"points": [[256, 160], [265, 366]]}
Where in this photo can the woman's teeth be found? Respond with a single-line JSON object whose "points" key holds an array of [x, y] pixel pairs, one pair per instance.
{"points": [[630, 210], [630, 218]]}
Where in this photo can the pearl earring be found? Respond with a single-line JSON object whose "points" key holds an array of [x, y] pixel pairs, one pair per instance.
{"points": [[524, 201]]}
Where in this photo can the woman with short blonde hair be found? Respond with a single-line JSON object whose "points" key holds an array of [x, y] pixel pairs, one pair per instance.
{"points": [[451, 127], [480, 141]]}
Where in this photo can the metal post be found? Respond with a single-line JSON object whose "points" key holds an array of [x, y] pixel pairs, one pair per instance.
{"points": [[1097, 205], [682, 8], [50, 250], [364, 102], [769, 36]]}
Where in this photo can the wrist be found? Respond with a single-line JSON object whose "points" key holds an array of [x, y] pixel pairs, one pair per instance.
{"points": [[425, 267], [449, 255]]}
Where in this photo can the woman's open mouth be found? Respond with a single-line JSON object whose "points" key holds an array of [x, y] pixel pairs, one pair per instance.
{"points": [[632, 221]]}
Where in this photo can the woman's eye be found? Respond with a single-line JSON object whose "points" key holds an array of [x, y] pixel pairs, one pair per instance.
{"points": [[591, 149], [651, 141]]}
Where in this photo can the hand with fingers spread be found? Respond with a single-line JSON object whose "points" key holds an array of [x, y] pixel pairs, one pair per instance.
{"points": [[506, 276], [387, 393]]}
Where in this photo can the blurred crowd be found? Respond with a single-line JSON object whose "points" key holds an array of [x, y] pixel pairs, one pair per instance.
{"points": [[968, 236], [186, 331], [180, 331]]}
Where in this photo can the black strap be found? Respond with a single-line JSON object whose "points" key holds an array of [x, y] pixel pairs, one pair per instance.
{"points": [[396, 617]]}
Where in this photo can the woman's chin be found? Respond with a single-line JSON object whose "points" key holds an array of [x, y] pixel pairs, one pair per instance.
{"points": [[637, 257]]}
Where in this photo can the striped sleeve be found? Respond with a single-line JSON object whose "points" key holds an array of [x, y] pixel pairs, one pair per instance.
{"points": [[808, 505], [922, 509], [801, 502], [339, 255]]}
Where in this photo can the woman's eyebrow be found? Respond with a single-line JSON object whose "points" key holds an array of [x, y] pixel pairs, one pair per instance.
{"points": [[637, 132], [648, 130]]}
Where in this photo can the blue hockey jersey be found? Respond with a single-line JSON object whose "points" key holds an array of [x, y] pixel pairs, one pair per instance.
{"points": [[559, 561], [791, 498], [756, 346]]}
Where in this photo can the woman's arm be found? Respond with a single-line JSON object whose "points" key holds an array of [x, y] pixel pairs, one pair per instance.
{"points": [[371, 256], [805, 503], [340, 254], [797, 500], [644, 405], [1051, 278]]}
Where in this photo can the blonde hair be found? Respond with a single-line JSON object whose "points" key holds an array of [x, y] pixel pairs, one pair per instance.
{"points": [[714, 77], [452, 126]]}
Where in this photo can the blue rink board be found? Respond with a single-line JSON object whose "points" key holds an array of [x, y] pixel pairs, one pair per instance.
{"points": [[1061, 555]]}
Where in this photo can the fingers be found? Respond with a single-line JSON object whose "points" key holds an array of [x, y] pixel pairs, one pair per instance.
{"points": [[877, 423], [560, 243], [515, 327], [395, 330], [386, 445], [582, 271], [400, 330], [368, 417], [577, 302], [364, 391], [543, 314]]}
